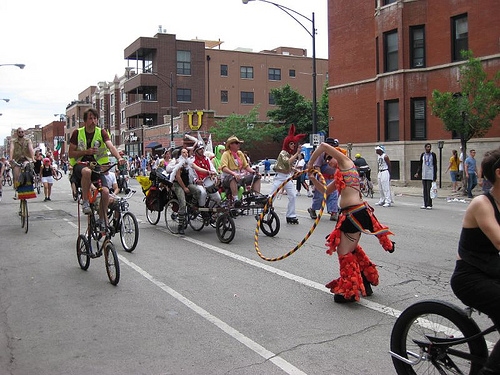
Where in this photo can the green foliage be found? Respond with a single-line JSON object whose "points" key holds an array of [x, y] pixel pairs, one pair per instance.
{"points": [[246, 127], [471, 112], [294, 108]]}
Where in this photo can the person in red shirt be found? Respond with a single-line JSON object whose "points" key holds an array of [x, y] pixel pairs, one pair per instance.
{"points": [[205, 171]]}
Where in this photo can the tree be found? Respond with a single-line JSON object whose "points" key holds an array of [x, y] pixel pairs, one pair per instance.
{"points": [[471, 111], [245, 127], [294, 108]]}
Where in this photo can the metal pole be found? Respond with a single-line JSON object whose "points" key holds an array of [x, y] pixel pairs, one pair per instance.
{"points": [[171, 114], [440, 166], [314, 111]]}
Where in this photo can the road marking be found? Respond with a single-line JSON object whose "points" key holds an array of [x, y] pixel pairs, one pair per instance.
{"points": [[252, 345]]}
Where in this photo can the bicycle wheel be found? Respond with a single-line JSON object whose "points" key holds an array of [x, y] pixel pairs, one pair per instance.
{"points": [[195, 219], [38, 187], [58, 175], [83, 252], [225, 228], [129, 231], [172, 215], [111, 262], [270, 224], [428, 322], [9, 180], [23, 212], [152, 216]]}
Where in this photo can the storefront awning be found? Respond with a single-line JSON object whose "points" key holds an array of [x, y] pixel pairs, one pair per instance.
{"points": [[154, 145]]}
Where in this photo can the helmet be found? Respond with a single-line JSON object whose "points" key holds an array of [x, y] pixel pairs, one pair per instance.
{"points": [[357, 156]]}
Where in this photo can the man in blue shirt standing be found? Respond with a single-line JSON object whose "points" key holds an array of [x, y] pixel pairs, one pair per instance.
{"points": [[471, 172]]}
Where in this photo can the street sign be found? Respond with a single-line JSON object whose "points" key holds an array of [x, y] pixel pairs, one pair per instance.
{"points": [[172, 144], [315, 139]]}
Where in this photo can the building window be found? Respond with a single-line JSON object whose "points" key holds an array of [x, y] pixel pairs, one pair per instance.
{"points": [[112, 119], [387, 2], [246, 97], [184, 95], [417, 46], [224, 96], [122, 94], [101, 104], [392, 120], [459, 36], [223, 70], [291, 73], [418, 120], [274, 74], [271, 99], [112, 100], [184, 63], [123, 116], [377, 56], [246, 72], [391, 51]]}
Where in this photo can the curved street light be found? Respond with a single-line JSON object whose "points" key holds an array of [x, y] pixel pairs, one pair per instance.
{"points": [[312, 33], [20, 66], [6, 100]]}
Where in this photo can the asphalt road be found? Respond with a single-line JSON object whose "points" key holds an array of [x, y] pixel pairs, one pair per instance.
{"points": [[192, 305]]}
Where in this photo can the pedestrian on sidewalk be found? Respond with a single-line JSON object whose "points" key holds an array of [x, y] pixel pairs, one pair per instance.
{"points": [[427, 170], [453, 167], [470, 168], [267, 170], [383, 177], [327, 167]]}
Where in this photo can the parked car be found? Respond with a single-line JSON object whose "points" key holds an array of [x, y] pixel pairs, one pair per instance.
{"points": [[259, 166]]}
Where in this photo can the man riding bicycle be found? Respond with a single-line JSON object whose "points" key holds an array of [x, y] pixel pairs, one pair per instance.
{"points": [[362, 166], [21, 150], [236, 171], [91, 144]]}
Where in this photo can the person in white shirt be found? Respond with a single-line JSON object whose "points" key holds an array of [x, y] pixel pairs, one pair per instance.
{"points": [[384, 177]]}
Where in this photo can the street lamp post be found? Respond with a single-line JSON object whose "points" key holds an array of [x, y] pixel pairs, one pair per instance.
{"points": [[440, 146], [6, 100], [171, 86], [312, 33], [20, 66]]}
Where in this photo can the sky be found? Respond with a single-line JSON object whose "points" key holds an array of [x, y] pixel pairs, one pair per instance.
{"points": [[68, 46]]}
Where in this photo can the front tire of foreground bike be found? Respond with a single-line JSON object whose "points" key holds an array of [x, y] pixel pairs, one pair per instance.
{"points": [[112, 263], [441, 320]]}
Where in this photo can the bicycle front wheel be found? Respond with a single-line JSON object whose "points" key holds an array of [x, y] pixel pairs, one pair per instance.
{"points": [[129, 231], [152, 216], [23, 211], [58, 175], [428, 322], [83, 252], [111, 262], [172, 215]]}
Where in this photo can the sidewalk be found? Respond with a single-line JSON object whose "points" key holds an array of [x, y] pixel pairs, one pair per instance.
{"points": [[416, 191]]}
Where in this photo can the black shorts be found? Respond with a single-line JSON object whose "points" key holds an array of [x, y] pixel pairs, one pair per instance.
{"points": [[76, 177], [362, 216]]}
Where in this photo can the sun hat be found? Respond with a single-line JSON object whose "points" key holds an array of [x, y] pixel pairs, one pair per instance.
{"points": [[232, 139], [198, 145], [380, 147]]}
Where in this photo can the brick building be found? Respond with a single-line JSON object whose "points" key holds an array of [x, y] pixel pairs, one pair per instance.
{"points": [[53, 134], [169, 76], [385, 59]]}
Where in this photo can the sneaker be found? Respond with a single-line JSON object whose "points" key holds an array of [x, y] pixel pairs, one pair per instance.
{"points": [[15, 195], [45, 199], [387, 205], [423, 207], [309, 194], [298, 194], [312, 213], [49, 199], [86, 207], [334, 216], [379, 203], [429, 207], [181, 230], [366, 283]]}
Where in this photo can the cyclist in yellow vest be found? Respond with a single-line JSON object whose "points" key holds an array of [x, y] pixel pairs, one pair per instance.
{"points": [[21, 150], [91, 143]]}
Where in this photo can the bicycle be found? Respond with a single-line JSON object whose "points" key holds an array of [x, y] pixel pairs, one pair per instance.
{"points": [[97, 235], [25, 191], [37, 183], [57, 174], [7, 179], [125, 223], [434, 336], [365, 185]]}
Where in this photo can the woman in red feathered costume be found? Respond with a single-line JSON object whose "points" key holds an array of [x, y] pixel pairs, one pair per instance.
{"points": [[283, 169], [357, 272]]}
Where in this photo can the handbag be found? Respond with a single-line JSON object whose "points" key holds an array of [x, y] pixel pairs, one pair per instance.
{"points": [[434, 190]]}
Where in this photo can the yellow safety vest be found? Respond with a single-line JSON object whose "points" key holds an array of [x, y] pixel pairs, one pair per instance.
{"points": [[101, 156]]}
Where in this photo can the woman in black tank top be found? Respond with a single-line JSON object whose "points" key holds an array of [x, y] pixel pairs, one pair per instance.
{"points": [[476, 279]]}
